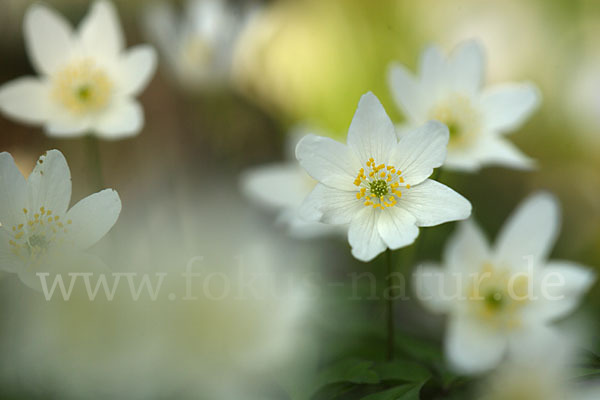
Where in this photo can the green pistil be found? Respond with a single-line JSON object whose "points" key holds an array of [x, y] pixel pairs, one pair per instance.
{"points": [[379, 188]]}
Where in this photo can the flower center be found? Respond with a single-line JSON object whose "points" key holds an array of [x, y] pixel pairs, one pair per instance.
{"points": [[461, 118], [82, 87], [496, 295], [32, 239], [379, 185]]}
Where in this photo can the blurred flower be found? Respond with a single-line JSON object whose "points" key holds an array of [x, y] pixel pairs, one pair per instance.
{"points": [[544, 375], [87, 82], [36, 227], [501, 299], [377, 185], [224, 321], [283, 186], [450, 90], [197, 46]]}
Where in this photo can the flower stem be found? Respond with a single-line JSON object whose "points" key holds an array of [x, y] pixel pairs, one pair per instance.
{"points": [[94, 160], [389, 298]]}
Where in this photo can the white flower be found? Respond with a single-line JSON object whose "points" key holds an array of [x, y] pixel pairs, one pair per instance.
{"points": [[450, 90], [379, 185], [37, 226], [198, 45], [500, 299], [87, 82], [283, 186], [543, 375]]}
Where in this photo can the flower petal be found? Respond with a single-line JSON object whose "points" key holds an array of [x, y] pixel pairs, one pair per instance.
{"points": [[330, 205], [467, 249], [494, 150], [328, 161], [13, 195], [473, 348], [49, 184], [123, 119], [371, 132], [530, 231], [433, 203], [25, 99], [93, 217], [100, 31], [507, 106], [434, 288], [49, 38], [397, 227], [8, 261], [420, 150], [277, 185], [62, 124], [433, 71], [138, 65], [562, 285], [406, 92], [364, 236], [467, 63]]}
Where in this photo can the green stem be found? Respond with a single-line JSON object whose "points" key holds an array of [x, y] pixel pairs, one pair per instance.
{"points": [[94, 160], [389, 306]]}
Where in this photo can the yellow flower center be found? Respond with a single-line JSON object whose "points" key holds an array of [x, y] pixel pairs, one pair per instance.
{"points": [[32, 239], [379, 185], [463, 121], [497, 295], [82, 87]]}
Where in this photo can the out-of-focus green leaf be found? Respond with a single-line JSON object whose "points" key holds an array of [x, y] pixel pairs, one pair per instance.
{"points": [[349, 370], [402, 370], [403, 392]]}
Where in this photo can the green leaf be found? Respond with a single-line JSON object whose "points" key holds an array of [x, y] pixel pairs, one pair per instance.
{"points": [[403, 392], [349, 370], [402, 370]]}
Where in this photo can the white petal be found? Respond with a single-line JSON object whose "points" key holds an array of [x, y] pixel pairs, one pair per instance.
{"points": [[562, 285], [138, 66], [8, 261], [433, 203], [49, 184], [530, 232], [93, 217], [328, 161], [433, 71], [330, 205], [405, 91], [25, 99], [49, 38], [467, 64], [363, 235], [100, 31], [371, 132], [397, 227], [420, 150], [13, 192], [467, 249], [434, 288], [507, 106], [277, 185], [473, 348], [493, 150], [124, 118], [62, 124]]}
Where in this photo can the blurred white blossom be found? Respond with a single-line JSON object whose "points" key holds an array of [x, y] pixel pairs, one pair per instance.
{"points": [[87, 82], [197, 45], [450, 90], [499, 300], [38, 232], [379, 185], [283, 186]]}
